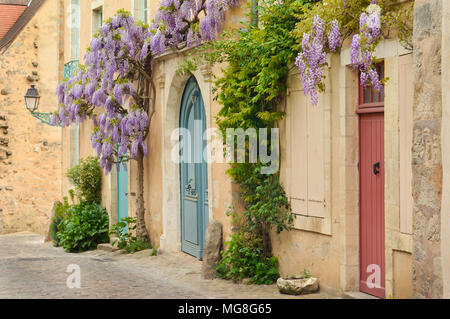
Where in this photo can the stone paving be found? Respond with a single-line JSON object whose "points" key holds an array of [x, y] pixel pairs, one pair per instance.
{"points": [[30, 268]]}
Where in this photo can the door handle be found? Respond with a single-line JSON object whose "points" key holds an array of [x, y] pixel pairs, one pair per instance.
{"points": [[376, 168], [188, 186], [189, 189]]}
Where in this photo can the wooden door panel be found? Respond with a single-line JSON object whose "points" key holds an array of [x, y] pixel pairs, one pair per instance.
{"points": [[371, 167], [193, 174], [190, 215]]}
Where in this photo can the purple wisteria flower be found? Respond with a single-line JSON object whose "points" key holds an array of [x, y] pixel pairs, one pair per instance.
{"points": [[363, 46], [105, 83], [311, 61], [334, 37]]}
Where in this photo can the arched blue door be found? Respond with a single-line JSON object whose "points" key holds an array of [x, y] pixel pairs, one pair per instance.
{"points": [[193, 171]]}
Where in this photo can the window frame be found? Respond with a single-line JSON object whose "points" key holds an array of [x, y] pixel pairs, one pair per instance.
{"points": [[365, 107], [75, 32], [96, 19], [144, 11]]}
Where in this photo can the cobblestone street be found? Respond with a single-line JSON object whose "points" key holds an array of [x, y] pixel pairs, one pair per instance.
{"points": [[30, 268]]}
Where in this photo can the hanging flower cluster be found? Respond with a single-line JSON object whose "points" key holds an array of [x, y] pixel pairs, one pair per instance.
{"points": [[311, 61], [112, 87], [178, 20], [104, 82], [364, 44]]}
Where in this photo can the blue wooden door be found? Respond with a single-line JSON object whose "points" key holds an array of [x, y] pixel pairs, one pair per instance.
{"points": [[122, 193], [193, 171]]}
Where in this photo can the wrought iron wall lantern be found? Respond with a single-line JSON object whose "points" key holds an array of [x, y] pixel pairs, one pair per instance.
{"points": [[32, 98]]}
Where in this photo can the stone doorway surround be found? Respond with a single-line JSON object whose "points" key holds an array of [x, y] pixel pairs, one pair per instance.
{"points": [[389, 51], [171, 87]]}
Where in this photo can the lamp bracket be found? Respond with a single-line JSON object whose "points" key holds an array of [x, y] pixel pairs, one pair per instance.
{"points": [[44, 118]]}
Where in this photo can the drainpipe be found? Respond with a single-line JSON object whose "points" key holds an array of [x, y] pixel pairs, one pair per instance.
{"points": [[255, 12]]}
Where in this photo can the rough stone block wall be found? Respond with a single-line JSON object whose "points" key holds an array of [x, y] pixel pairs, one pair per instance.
{"points": [[30, 152], [426, 150]]}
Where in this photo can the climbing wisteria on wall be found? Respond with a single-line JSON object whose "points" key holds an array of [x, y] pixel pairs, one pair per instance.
{"points": [[313, 57], [115, 87], [116, 76], [364, 44], [318, 42]]}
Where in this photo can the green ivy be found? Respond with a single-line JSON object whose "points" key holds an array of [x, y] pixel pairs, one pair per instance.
{"points": [[258, 59], [250, 90]]}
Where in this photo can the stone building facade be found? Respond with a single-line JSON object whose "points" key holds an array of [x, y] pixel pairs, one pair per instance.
{"points": [[328, 196], [30, 151], [430, 153]]}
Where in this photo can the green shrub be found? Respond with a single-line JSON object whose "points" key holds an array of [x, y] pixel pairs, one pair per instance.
{"points": [[83, 228], [86, 177], [245, 258], [124, 230], [56, 222]]}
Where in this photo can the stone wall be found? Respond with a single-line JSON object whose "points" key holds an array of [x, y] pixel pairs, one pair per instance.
{"points": [[426, 151], [30, 152]]}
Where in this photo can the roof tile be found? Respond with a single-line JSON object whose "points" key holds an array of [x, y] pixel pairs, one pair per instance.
{"points": [[8, 16]]}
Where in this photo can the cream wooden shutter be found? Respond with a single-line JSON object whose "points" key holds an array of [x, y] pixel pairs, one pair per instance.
{"points": [[299, 158], [316, 181]]}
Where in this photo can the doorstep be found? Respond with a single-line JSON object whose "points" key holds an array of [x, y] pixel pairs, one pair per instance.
{"points": [[357, 295]]}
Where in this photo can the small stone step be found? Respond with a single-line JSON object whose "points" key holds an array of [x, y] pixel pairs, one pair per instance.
{"points": [[357, 295], [107, 247]]}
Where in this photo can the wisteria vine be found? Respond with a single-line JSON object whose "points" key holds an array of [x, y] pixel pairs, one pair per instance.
{"points": [[316, 44], [364, 44], [311, 61], [114, 87]]}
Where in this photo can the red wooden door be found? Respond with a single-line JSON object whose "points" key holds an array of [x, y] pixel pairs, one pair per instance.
{"points": [[371, 226]]}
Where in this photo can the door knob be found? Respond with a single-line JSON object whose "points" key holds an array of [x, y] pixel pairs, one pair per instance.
{"points": [[376, 168]]}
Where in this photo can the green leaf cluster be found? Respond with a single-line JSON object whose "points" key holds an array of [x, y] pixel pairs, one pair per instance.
{"points": [[124, 231], [83, 227], [396, 18], [86, 177], [61, 210], [245, 258], [250, 90]]}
